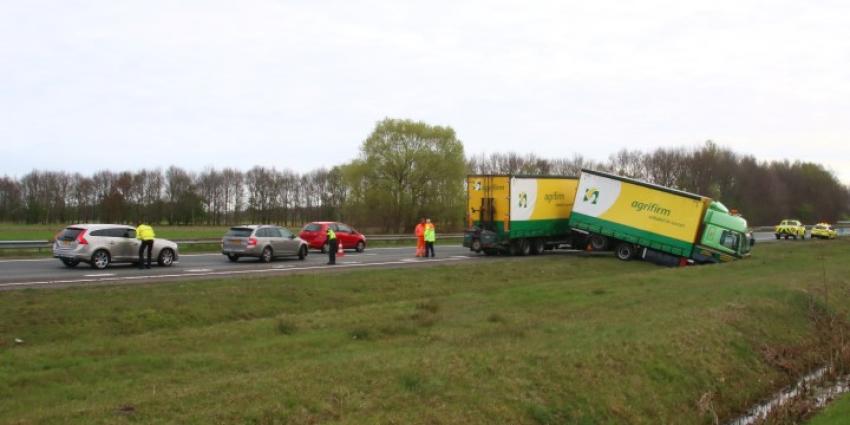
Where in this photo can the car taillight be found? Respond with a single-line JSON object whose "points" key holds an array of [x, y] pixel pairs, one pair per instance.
{"points": [[81, 239], [252, 242]]}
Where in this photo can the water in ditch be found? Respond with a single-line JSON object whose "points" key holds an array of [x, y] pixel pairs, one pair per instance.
{"points": [[812, 387]]}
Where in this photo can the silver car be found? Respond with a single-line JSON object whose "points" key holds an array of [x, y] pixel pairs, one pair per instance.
{"points": [[262, 241], [102, 244]]}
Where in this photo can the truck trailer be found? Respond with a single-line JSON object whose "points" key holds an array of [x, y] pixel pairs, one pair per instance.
{"points": [[520, 215], [655, 223]]}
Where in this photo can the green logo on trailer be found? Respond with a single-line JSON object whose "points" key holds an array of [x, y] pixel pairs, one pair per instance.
{"points": [[592, 193], [523, 200]]}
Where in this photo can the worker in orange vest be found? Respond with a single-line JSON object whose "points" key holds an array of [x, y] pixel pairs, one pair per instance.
{"points": [[420, 238]]}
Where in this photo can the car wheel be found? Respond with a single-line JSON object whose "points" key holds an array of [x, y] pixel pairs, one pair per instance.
{"points": [[302, 252], [803, 236], [266, 257], [777, 236], [100, 259], [233, 258], [166, 258], [476, 245], [71, 263], [625, 251], [360, 246]]}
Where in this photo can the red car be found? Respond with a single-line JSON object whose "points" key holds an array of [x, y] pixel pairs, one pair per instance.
{"points": [[316, 234]]}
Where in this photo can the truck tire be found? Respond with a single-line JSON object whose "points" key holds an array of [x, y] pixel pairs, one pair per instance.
{"points": [[598, 242], [524, 247], [625, 251], [537, 247], [476, 245]]}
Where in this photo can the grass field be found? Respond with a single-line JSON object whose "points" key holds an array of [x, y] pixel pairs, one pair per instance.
{"points": [[21, 232], [541, 340], [836, 414]]}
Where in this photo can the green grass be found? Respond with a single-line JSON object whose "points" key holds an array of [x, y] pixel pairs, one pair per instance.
{"points": [[17, 232], [838, 413], [543, 340]]}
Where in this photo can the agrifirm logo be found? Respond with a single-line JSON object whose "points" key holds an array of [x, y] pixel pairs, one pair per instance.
{"points": [[522, 200], [591, 195], [554, 196], [652, 208]]}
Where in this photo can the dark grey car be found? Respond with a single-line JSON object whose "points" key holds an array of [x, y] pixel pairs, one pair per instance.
{"points": [[102, 244], [265, 242]]}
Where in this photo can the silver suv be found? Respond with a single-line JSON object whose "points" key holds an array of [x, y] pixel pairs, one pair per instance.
{"points": [[262, 241], [102, 244]]}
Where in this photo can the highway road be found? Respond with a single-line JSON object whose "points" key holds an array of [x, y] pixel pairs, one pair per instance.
{"points": [[49, 272]]}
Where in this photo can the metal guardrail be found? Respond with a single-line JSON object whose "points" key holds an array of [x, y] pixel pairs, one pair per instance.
{"points": [[39, 245]]}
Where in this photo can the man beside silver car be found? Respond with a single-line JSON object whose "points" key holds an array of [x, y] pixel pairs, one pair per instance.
{"points": [[100, 245]]}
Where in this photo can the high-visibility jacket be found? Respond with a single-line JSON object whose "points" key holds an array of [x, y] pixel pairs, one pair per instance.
{"points": [[145, 233], [331, 234], [430, 233]]}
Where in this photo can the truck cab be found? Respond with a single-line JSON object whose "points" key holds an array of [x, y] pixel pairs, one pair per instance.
{"points": [[724, 236]]}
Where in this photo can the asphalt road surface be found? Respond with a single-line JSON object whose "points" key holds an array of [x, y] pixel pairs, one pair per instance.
{"points": [[50, 272]]}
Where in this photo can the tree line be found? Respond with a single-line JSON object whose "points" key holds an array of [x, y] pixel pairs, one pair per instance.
{"points": [[405, 170], [763, 191]]}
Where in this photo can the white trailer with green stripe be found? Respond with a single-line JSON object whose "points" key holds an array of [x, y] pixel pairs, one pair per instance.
{"points": [[642, 220]]}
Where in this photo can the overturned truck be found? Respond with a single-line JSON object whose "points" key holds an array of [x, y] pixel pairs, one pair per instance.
{"points": [[655, 223]]}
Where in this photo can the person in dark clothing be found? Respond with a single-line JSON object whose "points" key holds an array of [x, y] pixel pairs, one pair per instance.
{"points": [[332, 246]]}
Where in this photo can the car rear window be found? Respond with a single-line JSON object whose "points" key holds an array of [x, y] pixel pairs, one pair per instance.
{"points": [[241, 232], [313, 227], [69, 234]]}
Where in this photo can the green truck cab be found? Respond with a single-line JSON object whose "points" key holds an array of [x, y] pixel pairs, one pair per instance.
{"points": [[724, 236], [790, 228]]}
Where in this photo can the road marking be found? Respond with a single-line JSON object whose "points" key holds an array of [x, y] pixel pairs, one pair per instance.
{"points": [[99, 275], [220, 273], [282, 267], [460, 256], [351, 262], [197, 270]]}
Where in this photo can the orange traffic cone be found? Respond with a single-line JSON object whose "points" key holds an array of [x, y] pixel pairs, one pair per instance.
{"points": [[589, 247], [340, 252]]}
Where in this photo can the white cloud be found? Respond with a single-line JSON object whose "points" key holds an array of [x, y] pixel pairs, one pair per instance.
{"points": [[300, 84]]}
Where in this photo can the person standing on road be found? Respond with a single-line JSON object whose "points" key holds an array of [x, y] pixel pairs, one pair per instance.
{"points": [[430, 238], [420, 238], [332, 246], [145, 234]]}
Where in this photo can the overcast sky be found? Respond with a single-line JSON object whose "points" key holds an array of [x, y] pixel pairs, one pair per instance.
{"points": [[88, 85]]}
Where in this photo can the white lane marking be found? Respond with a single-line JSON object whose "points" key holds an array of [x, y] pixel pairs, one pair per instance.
{"points": [[460, 256], [351, 262], [282, 267], [410, 260], [221, 273], [99, 275], [197, 270]]}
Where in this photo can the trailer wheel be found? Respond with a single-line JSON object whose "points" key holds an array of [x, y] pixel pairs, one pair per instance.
{"points": [[537, 247], [598, 242], [625, 251], [524, 247]]}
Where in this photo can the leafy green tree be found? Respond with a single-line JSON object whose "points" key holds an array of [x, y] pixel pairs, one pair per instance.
{"points": [[407, 169]]}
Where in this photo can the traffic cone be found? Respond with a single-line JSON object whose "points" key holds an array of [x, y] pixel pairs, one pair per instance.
{"points": [[340, 252], [589, 247]]}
